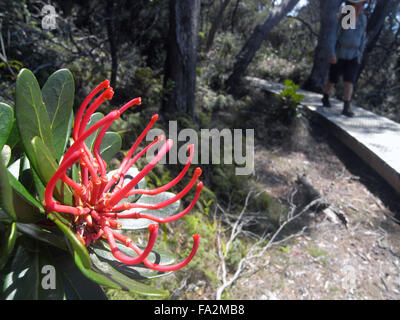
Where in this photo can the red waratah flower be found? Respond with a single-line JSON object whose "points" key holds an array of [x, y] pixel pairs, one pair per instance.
{"points": [[98, 199]]}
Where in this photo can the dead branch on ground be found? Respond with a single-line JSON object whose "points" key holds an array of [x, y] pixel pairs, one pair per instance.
{"points": [[257, 250]]}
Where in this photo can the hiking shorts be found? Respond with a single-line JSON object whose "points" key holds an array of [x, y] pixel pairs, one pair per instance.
{"points": [[347, 68]]}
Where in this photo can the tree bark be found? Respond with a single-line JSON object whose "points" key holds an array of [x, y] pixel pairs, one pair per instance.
{"points": [[233, 18], [111, 40], [375, 26], [319, 73], [251, 46], [215, 24], [180, 66]]}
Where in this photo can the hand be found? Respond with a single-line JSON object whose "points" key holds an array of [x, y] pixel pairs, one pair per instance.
{"points": [[332, 60]]}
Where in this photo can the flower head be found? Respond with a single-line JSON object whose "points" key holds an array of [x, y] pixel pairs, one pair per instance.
{"points": [[98, 198]]}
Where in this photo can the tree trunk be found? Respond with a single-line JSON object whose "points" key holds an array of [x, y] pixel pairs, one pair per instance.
{"points": [[215, 24], [375, 26], [319, 73], [112, 40], [233, 18], [180, 66], [251, 46]]}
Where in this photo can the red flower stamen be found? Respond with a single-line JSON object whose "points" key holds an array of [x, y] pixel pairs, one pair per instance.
{"points": [[153, 229], [118, 195], [151, 265], [163, 204], [170, 184], [78, 118], [97, 211]]}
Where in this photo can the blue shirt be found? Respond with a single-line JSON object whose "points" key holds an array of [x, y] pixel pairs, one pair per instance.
{"points": [[349, 43]]}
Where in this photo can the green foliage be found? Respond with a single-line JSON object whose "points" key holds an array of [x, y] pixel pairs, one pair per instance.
{"points": [[290, 101], [289, 94]]}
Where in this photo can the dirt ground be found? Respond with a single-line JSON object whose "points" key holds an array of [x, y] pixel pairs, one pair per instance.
{"points": [[357, 258]]}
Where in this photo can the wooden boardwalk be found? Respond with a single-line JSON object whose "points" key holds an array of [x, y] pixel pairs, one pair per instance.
{"points": [[375, 139]]}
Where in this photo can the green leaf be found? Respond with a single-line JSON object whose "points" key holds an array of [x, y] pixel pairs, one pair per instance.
{"points": [[23, 280], [13, 137], [54, 238], [96, 117], [110, 145], [104, 274], [39, 186], [31, 114], [76, 285], [6, 121], [6, 192], [26, 207], [58, 96], [7, 244], [131, 224], [78, 248], [46, 168]]}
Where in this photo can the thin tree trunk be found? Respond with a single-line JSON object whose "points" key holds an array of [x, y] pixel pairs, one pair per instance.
{"points": [[180, 66], [375, 26], [233, 18], [111, 40], [259, 34], [216, 24], [328, 20]]}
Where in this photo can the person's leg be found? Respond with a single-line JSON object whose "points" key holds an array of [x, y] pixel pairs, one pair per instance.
{"points": [[329, 88], [348, 91], [333, 79], [350, 73]]}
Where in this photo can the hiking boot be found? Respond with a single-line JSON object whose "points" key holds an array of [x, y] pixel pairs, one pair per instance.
{"points": [[325, 101], [347, 109]]}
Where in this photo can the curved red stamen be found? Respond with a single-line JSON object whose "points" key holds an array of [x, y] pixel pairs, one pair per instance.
{"points": [[78, 118], [79, 189], [96, 148], [138, 215], [158, 267], [170, 184], [78, 143], [127, 205], [153, 229], [106, 95], [153, 120], [121, 176], [136, 101], [50, 204], [99, 139], [120, 194]]}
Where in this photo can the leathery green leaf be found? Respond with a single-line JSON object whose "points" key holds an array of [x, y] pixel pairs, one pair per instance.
{"points": [[7, 245], [26, 208], [24, 280], [96, 117], [58, 96], [6, 193], [106, 275], [110, 145], [47, 166], [31, 114], [77, 246], [6, 122]]}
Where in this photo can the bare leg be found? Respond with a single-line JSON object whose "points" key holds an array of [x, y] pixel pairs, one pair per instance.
{"points": [[329, 87], [348, 91]]}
